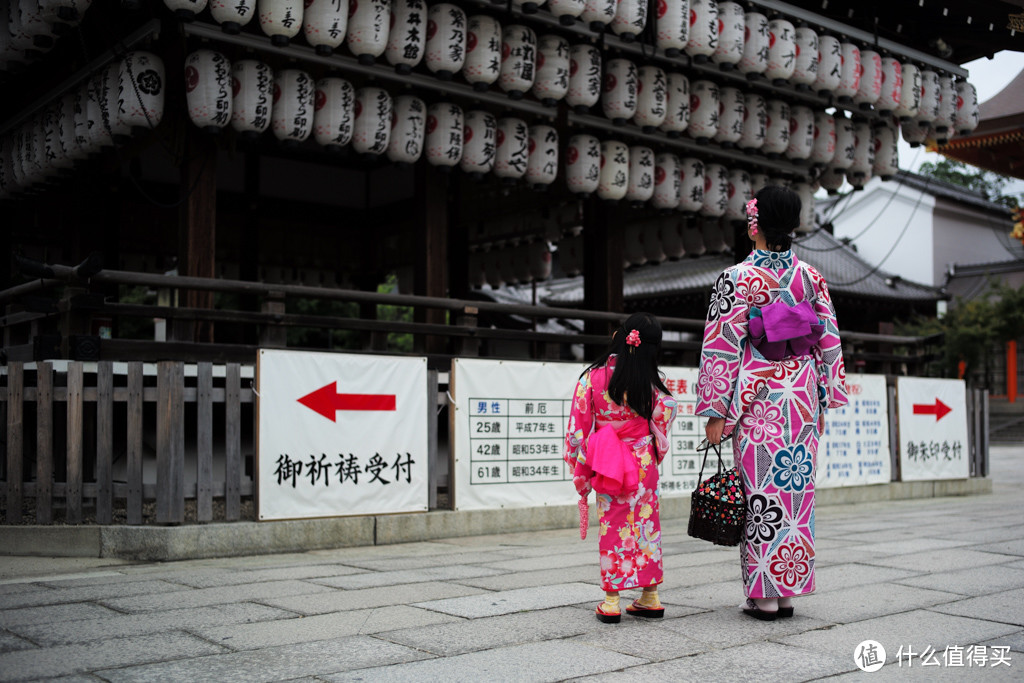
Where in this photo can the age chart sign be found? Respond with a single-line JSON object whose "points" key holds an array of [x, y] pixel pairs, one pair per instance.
{"points": [[933, 428], [855, 448], [340, 434]]}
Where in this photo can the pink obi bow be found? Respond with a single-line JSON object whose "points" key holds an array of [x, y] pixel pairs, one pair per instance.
{"points": [[615, 466], [779, 330]]}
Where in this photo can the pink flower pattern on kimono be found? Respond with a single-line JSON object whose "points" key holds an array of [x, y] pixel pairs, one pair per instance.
{"points": [[763, 422]]}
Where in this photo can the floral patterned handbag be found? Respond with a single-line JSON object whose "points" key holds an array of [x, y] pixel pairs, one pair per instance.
{"points": [[718, 508]]}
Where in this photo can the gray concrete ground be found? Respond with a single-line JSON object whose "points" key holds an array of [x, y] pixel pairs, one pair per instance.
{"points": [[945, 574]]}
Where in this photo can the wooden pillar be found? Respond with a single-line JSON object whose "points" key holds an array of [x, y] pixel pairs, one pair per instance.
{"points": [[602, 263], [432, 249], [458, 242], [197, 248], [249, 254]]}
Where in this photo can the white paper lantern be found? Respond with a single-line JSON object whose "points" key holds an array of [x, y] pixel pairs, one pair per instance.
{"points": [[830, 59], [693, 238], [781, 50], [570, 255], [333, 115], [870, 88], [98, 113], [252, 83], [281, 20], [63, 11], [755, 122], [805, 67], [863, 154], [849, 72], [892, 86], [83, 122], [846, 144], [703, 38], [542, 162], [832, 179], [566, 11], [208, 89], [755, 45], [539, 258], [483, 52], [929, 108], [585, 77], [633, 246], [52, 143], [512, 153], [368, 26], [732, 110], [518, 60], [652, 98], [630, 19], [110, 102], [946, 118], [446, 40], [28, 28], [887, 161], [667, 183], [731, 28], [704, 105], [43, 153], [232, 15], [292, 114], [598, 13], [691, 188], [478, 142], [183, 9], [915, 133], [407, 39], [824, 149], [806, 194], [739, 193], [966, 119], [801, 133], [614, 178], [408, 129], [641, 174], [583, 164], [371, 129], [552, 81], [673, 26], [618, 99], [670, 234], [70, 105], [910, 94], [776, 139], [445, 132], [716, 190], [324, 23], [677, 105], [141, 90]]}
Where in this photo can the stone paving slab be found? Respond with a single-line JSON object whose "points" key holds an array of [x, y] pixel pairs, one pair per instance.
{"points": [[203, 597], [949, 559], [28, 567], [271, 664], [490, 632], [1016, 643], [450, 572], [320, 627], [53, 596], [916, 629], [708, 596], [339, 601], [729, 627], [506, 602], [870, 602], [701, 574], [223, 577], [907, 546], [536, 662], [10, 642], [124, 625], [11, 618], [846, 576], [1006, 607], [638, 637], [1013, 546], [70, 659], [974, 582], [893, 672], [544, 577], [696, 559], [427, 561], [549, 561], [980, 534]]}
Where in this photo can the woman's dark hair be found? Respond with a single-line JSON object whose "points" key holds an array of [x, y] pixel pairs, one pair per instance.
{"points": [[636, 367], [778, 214]]}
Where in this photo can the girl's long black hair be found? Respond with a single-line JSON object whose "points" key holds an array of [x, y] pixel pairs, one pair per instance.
{"points": [[636, 367]]}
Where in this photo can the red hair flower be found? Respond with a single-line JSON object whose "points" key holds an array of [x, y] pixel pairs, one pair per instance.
{"points": [[634, 338]]}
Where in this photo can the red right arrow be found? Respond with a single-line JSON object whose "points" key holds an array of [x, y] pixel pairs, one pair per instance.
{"points": [[939, 410]]}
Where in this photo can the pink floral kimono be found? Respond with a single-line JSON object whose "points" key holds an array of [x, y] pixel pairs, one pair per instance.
{"points": [[774, 408], [630, 533]]}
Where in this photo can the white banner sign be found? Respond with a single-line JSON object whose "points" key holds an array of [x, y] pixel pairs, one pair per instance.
{"points": [[340, 434], [933, 428], [855, 448]]}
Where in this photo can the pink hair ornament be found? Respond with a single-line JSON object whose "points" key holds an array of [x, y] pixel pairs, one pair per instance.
{"points": [[633, 339], [752, 215]]}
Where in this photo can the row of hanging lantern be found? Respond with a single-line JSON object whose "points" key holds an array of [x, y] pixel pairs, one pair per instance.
{"points": [[30, 28], [104, 110], [528, 261]]}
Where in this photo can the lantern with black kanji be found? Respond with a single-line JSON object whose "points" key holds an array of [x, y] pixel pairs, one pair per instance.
{"points": [[849, 72], [82, 121], [716, 190], [542, 156], [208, 89], [830, 53], [776, 139], [677, 104], [886, 163], [805, 67], [666, 181], [618, 99], [691, 188], [946, 118], [703, 38], [232, 15], [518, 60], [910, 93], [512, 152], [252, 83], [333, 115], [929, 108], [801, 133], [479, 136], [407, 38], [280, 19], [846, 144], [781, 51], [870, 88], [731, 29], [755, 122], [731, 112], [444, 134], [630, 19], [72, 143], [651, 98], [673, 26], [966, 119], [585, 78], [824, 148], [371, 130], [446, 40], [598, 13], [614, 179], [704, 105], [552, 81], [863, 154], [292, 113], [739, 192], [754, 61], [641, 174], [141, 90], [368, 26], [583, 164], [324, 23], [408, 129], [892, 86], [483, 52], [110, 90]]}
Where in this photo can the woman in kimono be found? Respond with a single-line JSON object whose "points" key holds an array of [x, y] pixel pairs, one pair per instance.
{"points": [[771, 363], [617, 436]]}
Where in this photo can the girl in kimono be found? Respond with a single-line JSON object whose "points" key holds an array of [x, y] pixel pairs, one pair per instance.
{"points": [[617, 436], [771, 363]]}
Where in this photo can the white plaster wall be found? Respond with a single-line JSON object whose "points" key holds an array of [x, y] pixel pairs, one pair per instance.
{"points": [[966, 236]]}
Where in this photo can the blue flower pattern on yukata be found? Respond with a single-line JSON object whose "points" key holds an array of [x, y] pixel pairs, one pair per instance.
{"points": [[793, 469]]}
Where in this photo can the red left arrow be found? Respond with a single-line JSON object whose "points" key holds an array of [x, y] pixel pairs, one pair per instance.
{"points": [[939, 409], [327, 401]]}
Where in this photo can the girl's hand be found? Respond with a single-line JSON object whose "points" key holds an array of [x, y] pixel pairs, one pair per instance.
{"points": [[713, 429]]}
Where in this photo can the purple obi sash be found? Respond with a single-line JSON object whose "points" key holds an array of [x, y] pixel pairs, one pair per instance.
{"points": [[781, 331]]}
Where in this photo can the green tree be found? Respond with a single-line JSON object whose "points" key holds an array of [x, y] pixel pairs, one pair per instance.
{"points": [[990, 184]]}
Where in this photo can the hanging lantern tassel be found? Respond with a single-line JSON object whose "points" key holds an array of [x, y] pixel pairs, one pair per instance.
{"points": [[542, 160], [208, 89]]}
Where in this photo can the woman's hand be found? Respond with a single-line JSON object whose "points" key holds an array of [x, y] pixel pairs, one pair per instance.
{"points": [[713, 429]]}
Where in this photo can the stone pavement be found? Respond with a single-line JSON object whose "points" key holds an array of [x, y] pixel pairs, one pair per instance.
{"points": [[945, 573]]}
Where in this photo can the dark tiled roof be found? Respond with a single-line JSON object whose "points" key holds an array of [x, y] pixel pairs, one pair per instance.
{"points": [[957, 193]]}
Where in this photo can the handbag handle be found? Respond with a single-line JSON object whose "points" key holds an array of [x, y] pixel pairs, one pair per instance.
{"points": [[706, 446]]}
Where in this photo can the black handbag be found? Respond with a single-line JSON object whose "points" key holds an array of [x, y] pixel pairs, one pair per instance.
{"points": [[718, 507]]}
